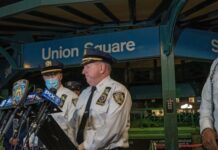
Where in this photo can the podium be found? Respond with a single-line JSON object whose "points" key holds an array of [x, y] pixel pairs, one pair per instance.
{"points": [[53, 137]]}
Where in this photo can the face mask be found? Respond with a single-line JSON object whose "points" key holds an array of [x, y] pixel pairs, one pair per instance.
{"points": [[52, 83]]}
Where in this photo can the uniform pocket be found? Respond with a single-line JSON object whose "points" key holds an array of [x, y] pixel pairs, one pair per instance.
{"points": [[98, 116]]}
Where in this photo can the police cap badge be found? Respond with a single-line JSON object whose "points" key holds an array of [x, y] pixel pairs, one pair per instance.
{"points": [[51, 66]]}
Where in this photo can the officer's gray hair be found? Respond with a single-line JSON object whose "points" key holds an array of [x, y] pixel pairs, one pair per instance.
{"points": [[109, 68]]}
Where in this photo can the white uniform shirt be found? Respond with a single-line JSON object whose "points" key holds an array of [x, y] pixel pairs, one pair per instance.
{"points": [[109, 117], [209, 107], [62, 118]]}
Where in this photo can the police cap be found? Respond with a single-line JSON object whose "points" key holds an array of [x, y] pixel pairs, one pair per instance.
{"points": [[51, 66], [93, 55]]}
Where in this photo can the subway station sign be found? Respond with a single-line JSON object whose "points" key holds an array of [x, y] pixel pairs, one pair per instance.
{"points": [[124, 45], [197, 44]]}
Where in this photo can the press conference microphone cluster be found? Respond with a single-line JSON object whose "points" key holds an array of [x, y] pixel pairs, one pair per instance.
{"points": [[25, 106], [18, 106], [19, 93], [51, 101]]}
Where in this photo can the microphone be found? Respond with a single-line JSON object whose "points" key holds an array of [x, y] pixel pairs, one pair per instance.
{"points": [[22, 120], [7, 106], [50, 96], [53, 90], [19, 93], [4, 106], [34, 97]]}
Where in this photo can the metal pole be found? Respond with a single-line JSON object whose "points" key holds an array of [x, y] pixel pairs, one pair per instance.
{"points": [[168, 74]]}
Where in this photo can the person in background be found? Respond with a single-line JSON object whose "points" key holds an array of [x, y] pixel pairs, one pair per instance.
{"points": [[102, 116], [74, 86], [209, 109]]}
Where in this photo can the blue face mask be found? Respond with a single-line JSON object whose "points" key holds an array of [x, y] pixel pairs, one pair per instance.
{"points": [[52, 83]]}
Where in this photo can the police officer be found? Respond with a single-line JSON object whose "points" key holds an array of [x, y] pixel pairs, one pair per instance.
{"points": [[52, 75], [209, 109], [102, 116]]}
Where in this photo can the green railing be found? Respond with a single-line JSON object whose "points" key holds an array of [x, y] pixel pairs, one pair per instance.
{"points": [[158, 133], [142, 118]]}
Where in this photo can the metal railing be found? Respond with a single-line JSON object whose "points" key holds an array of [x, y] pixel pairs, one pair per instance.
{"points": [[141, 118]]}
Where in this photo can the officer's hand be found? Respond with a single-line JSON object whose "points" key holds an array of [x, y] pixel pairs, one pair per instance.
{"points": [[13, 141], [209, 139], [81, 147]]}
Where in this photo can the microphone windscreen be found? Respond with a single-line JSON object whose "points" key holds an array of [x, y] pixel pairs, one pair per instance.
{"points": [[53, 90], [39, 90]]}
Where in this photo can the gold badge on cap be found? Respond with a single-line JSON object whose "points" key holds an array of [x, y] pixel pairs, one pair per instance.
{"points": [[119, 97], [48, 63], [102, 99]]}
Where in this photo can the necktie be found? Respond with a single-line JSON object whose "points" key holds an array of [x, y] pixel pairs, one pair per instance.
{"points": [[80, 133]]}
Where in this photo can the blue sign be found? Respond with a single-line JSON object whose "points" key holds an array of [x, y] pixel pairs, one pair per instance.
{"points": [[125, 45], [197, 44]]}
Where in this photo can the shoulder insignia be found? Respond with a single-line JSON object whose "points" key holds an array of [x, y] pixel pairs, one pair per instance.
{"points": [[102, 99], [119, 97], [63, 98]]}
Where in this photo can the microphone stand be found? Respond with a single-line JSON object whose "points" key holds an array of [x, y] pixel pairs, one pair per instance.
{"points": [[21, 122], [9, 122], [2, 115], [18, 96], [5, 115], [29, 101], [4, 123], [35, 123]]}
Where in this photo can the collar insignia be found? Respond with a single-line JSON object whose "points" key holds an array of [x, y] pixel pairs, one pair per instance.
{"points": [[63, 98]]}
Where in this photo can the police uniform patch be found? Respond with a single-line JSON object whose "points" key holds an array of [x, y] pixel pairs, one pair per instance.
{"points": [[119, 97], [63, 98], [102, 99]]}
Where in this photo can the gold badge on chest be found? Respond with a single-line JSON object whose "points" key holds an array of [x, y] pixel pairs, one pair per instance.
{"points": [[102, 99]]}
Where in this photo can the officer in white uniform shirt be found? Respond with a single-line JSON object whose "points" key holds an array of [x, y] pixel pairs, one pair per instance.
{"points": [[209, 109], [52, 75], [108, 121]]}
